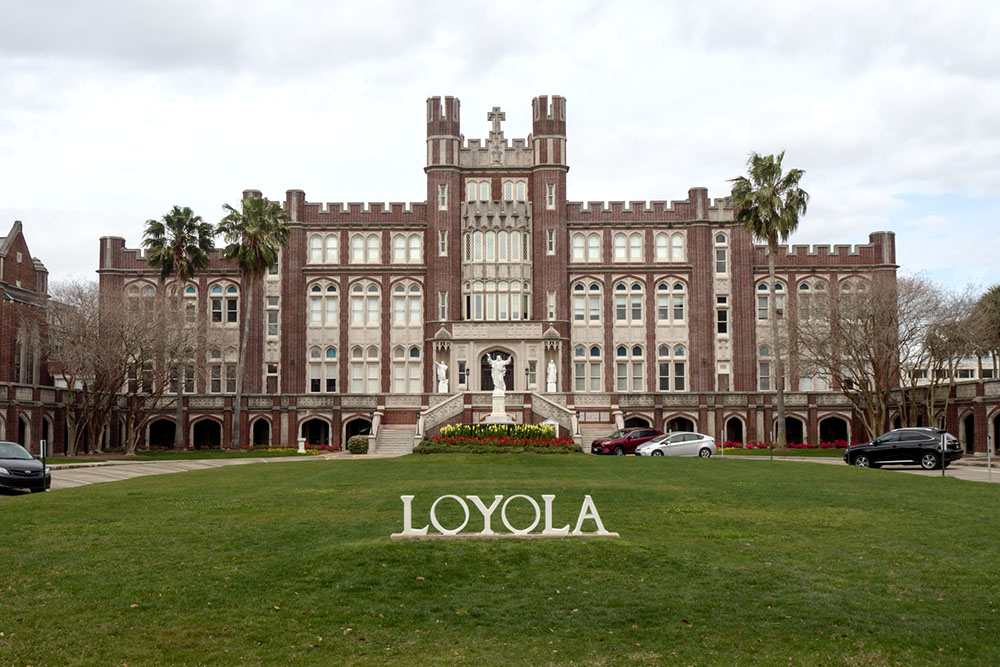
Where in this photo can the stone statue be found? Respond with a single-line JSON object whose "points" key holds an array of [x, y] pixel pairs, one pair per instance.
{"points": [[442, 376], [499, 368], [550, 376]]}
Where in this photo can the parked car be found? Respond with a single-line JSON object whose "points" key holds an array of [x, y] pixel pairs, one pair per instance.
{"points": [[624, 441], [21, 470], [682, 443], [921, 446]]}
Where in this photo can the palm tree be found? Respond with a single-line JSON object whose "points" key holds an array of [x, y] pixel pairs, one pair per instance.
{"points": [[178, 245], [253, 237], [768, 205], [989, 306]]}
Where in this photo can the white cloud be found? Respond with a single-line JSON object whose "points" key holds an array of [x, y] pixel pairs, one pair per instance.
{"points": [[111, 112]]}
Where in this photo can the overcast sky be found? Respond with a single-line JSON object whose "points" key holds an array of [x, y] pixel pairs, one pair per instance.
{"points": [[113, 111]]}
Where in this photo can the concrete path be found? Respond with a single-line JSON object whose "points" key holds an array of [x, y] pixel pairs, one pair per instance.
{"points": [[70, 475], [972, 469]]}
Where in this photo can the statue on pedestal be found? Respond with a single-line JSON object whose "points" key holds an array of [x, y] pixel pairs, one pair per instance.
{"points": [[442, 377], [550, 377], [499, 369]]}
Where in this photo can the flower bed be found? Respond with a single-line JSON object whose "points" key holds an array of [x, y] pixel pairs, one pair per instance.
{"points": [[465, 444]]}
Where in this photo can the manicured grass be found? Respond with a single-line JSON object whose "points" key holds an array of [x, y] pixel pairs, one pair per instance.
{"points": [[720, 562], [177, 455]]}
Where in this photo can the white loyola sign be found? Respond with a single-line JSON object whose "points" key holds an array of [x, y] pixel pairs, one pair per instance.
{"points": [[588, 511]]}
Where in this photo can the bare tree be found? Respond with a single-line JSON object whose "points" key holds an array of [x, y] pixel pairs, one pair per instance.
{"points": [[108, 351], [861, 339]]}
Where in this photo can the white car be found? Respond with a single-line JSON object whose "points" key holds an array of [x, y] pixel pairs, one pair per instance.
{"points": [[678, 444]]}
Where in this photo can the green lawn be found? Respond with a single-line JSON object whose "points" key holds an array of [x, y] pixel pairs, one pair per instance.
{"points": [[175, 455], [720, 562]]}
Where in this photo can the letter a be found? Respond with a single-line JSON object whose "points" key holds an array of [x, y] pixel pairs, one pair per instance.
{"points": [[408, 518], [589, 511]]}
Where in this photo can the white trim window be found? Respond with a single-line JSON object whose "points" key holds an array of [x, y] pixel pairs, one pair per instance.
{"points": [[477, 190], [222, 371], [550, 196], [407, 305], [497, 300], [672, 365], [366, 249], [366, 306], [190, 304], [722, 316], [407, 249], [721, 254], [496, 246], [443, 243], [514, 189], [628, 302], [587, 303], [629, 369], [763, 292], [323, 370], [442, 197], [324, 249], [587, 366], [406, 370], [811, 298], [223, 304], [550, 241], [586, 247], [670, 302], [272, 319], [669, 247], [628, 247], [324, 305], [365, 370]]}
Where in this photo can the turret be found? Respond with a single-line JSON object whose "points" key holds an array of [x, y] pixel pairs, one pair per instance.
{"points": [[443, 132], [548, 129]]}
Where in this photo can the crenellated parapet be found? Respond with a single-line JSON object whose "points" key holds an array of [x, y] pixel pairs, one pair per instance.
{"points": [[496, 152], [353, 213], [697, 207], [880, 250]]}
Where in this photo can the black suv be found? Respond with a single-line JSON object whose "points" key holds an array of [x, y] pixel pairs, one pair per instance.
{"points": [[906, 445]]}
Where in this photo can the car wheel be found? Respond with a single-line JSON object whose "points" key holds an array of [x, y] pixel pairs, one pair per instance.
{"points": [[862, 461], [704, 452], [929, 461], [656, 452], [619, 451]]}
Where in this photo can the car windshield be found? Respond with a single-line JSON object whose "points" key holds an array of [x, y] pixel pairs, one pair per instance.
{"points": [[10, 450], [619, 434]]}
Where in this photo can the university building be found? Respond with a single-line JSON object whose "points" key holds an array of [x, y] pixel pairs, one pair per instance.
{"points": [[650, 313]]}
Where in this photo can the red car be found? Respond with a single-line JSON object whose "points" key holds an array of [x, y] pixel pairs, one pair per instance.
{"points": [[624, 441]]}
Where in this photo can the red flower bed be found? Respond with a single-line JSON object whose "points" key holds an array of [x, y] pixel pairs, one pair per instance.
{"points": [[494, 444]]}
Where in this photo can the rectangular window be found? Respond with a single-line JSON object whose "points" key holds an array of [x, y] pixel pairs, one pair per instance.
{"points": [[765, 376], [678, 376], [550, 242], [720, 260], [215, 383], [399, 310], [988, 374], [621, 307], [271, 379], [678, 308], [637, 376], [357, 310], [595, 308], [579, 376], [621, 381], [761, 307], [230, 310], [662, 307], [443, 242], [532, 373], [579, 308], [442, 197], [463, 373], [357, 378], [442, 305], [315, 310], [721, 321], [965, 373], [373, 314], [595, 376], [550, 299], [272, 323], [664, 376], [636, 308], [315, 381], [550, 196], [217, 310], [230, 379], [723, 382]]}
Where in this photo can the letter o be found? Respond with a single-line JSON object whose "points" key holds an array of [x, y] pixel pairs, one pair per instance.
{"points": [[503, 515], [434, 520]]}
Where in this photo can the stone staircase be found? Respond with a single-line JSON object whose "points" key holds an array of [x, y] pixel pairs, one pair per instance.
{"points": [[395, 439], [590, 433]]}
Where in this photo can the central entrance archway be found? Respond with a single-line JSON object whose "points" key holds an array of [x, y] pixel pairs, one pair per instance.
{"points": [[316, 432], [207, 434], [679, 424], [161, 434], [486, 375]]}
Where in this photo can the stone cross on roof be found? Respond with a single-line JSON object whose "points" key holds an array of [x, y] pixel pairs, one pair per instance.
{"points": [[496, 116]]}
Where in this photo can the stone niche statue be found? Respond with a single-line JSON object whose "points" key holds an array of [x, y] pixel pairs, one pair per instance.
{"points": [[498, 367], [442, 377], [550, 377]]}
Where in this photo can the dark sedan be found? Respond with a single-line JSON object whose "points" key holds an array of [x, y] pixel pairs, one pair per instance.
{"points": [[21, 470], [922, 446]]}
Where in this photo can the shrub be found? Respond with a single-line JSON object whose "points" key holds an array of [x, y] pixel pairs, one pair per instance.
{"points": [[357, 444], [495, 445], [524, 431]]}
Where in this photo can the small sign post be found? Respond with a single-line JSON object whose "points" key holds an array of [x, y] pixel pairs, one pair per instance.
{"points": [[989, 458]]}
